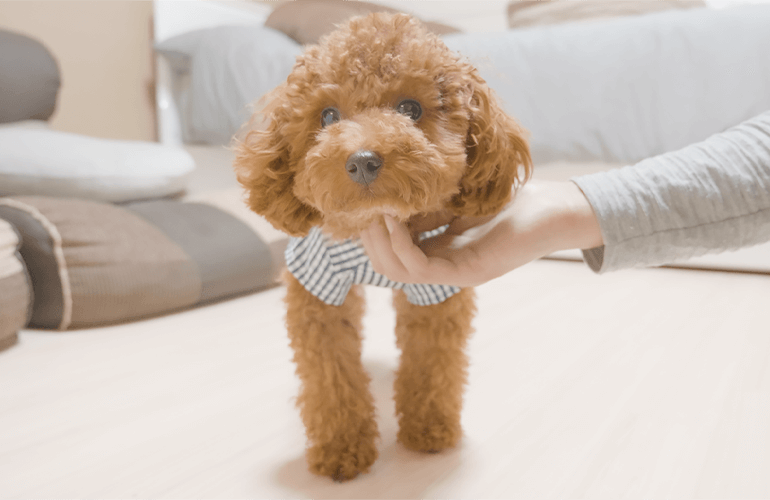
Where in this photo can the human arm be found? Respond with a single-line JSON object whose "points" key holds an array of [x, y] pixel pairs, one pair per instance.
{"points": [[708, 197], [541, 218]]}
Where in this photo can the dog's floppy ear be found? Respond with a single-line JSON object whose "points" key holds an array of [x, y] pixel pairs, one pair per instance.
{"points": [[497, 155], [263, 167]]}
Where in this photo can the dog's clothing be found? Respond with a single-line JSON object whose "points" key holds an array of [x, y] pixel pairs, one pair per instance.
{"points": [[328, 268]]}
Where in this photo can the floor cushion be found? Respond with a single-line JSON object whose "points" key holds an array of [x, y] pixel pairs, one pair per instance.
{"points": [[95, 263], [15, 289]]}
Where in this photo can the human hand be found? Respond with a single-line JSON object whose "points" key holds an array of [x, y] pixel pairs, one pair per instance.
{"points": [[542, 217]]}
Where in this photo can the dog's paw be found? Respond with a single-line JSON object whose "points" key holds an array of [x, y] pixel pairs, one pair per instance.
{"points": [[341, 461], [429, 435]]}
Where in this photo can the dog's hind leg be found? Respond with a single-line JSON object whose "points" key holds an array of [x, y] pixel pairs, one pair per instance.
{"points": [[334, 401], [433, 370]]}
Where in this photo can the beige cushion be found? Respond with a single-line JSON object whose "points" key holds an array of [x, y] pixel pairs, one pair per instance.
{"points": [[522, 14], [15, 289], [306, 21]]}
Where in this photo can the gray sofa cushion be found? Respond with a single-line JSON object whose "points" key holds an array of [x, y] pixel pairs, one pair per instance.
{"points": [[624, 89], [29, 79]]}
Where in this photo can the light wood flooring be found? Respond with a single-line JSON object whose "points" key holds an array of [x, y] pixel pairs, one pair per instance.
{"points": [[638, 384]]}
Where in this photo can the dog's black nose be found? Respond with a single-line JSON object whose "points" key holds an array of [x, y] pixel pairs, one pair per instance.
{"points": [[364, 166]]}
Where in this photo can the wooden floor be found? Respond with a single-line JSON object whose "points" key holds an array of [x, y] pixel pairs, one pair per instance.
{"points": [[638, 384]]}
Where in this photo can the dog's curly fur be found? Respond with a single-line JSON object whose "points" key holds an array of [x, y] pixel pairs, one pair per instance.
{"points": [[464, 154]]}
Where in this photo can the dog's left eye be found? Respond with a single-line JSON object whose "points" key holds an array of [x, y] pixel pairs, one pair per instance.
{"points": [[329, 116], [410, 108]]}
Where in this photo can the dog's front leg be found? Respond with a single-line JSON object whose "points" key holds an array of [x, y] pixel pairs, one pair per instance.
{"points": [[433, 370], [334, 401]]}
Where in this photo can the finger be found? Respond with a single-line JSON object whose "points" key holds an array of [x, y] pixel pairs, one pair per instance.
{"points": [[419, 268], [373, 241], [377, 242], [370, 248]]}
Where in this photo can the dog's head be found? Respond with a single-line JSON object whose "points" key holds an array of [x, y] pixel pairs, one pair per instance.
{"points": [[381, 117]]}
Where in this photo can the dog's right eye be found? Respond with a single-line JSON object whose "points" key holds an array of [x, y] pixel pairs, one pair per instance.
{"points": [[329, 116]]}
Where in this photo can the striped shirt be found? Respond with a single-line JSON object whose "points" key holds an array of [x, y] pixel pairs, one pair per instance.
{"points": [[328, 268]]}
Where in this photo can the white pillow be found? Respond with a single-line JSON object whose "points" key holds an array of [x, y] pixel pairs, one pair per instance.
{"points": [[38, 161], [220, 71], [625, 89]]}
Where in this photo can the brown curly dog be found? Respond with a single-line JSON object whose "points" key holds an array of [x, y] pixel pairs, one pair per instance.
{"points": [[380, 117]]}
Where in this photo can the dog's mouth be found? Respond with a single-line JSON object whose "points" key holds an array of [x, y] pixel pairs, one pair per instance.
{"points": [[347, 212], [358, 172], [401, 189], [352, 221]]}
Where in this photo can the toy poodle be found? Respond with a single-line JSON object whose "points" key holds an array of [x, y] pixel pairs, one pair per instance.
{"points": [[379, 118]]}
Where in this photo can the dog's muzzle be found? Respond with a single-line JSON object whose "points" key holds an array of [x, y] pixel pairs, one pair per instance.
{"points": [[363, 166]]}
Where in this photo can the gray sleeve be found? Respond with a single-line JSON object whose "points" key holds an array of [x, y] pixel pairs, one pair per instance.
{"points": [[706, 198]]}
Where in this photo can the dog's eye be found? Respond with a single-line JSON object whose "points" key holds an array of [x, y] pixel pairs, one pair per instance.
{"points": [[329, 116], [410, 108]]}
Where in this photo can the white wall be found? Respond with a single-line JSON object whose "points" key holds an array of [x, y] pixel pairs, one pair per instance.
{"points": [[487, 15], [469, 16], [720, 4], [104, 52]]}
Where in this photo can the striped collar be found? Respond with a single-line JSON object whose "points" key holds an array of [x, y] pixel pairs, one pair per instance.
{"points": [[328, 268]]}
